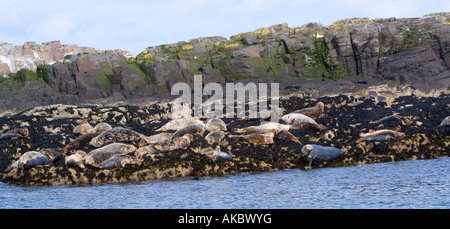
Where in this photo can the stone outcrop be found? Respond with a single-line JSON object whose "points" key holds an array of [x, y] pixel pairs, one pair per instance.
{"points": [[406, 52]]}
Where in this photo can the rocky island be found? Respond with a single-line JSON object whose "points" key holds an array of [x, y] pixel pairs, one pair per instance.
{"points": [[365, 72]]}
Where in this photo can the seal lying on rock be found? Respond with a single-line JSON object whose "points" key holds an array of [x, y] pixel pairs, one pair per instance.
{"points": [[307, 125], [98, 156], [294, 118], [177, 124], [312, 112], [32, 159], [120, 160], [380, 135], [219, 156], [216, 124], [16, 133], [76, 159], [257, 138], [316, 152], [189, 129], [80, 141], [101, 127], [265, 114], [117, 134], [158, 138], [83, 129], [286, 135], [264, 128], [214, 137], [393, 120], [176, 143]]}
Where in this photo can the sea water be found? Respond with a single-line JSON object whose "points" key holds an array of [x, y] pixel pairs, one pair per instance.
{"points": [[400, 185]]}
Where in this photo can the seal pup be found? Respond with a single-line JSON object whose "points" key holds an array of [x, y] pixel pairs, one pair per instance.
{"points": [[381, 135], [120, 160], [216, 124], [117, 134], [307, 125], [176, 124], [264, 128], [83, 129], [214, 137], [312, 112], [393, 120], [314, 152], [286, 135], [190, 129], [294, 118], [98, 156], [174, 144], [445, 122], [257, 138], [219, 156], [15, 133], [80, 141], [76, 159]]}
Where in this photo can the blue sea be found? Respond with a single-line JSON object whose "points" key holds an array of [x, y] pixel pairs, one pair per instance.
{"points": [[419, 184]]}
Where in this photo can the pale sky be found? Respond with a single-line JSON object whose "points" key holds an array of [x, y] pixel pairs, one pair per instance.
{"points": [[134, 25]]}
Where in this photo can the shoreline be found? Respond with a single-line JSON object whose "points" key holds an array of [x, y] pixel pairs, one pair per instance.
{"points": [[345, 116]]}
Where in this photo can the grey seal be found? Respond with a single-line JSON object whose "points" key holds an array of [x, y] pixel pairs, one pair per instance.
{"points": [[32, 159], [98, 156], [176, 143], [316, 152], [15, 133], [120, 160], [76, 159], [219, 156], [312, 112], [117, 134], [214, 137], [177, 124], [80, 141], [393, 120], [190, 129], [380, 135], [216, 124], [294, 118], [257, 138]]}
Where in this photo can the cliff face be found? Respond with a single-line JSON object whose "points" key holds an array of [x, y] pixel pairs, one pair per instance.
{"points": [[411, 51], [30, 55]]}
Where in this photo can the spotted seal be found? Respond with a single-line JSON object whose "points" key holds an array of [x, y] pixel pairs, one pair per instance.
{"points": [[216, 124], [15, 133], [76, 159], [120, 160], [312, 112], [98, 156], [190, 129], [177, 124], [381, 135], [257, 138], [314, 152], [117, 134], [214, 137], [176, 143]]}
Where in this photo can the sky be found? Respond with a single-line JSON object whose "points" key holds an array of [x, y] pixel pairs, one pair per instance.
{"points": [[134, 25]]}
